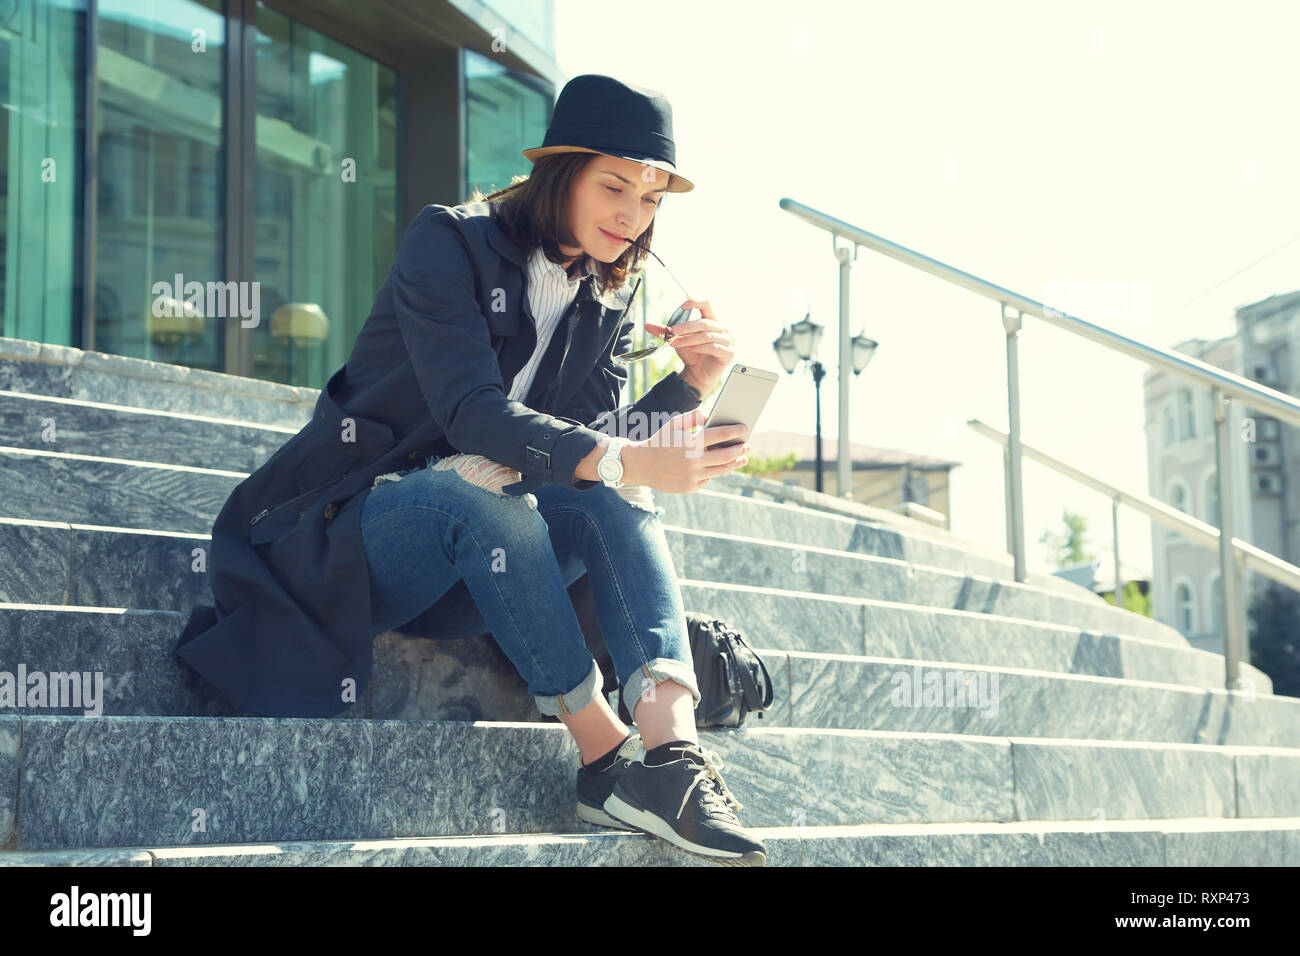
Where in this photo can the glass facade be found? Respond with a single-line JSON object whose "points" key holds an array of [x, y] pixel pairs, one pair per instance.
{"points": [[245, 206], [505, 112], [42, 83], [533, 20], [326, 219], [160, 203]]}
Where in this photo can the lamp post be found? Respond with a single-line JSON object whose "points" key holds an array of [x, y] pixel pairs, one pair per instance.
{"points": [[800, 342]]}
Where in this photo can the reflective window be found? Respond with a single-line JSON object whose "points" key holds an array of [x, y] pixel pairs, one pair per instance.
{"points": [[533, 19], [326, 216], [505, 113], [160, 206], [42, 61]]}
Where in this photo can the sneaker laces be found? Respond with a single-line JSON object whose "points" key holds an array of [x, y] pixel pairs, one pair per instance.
{"points": [[715, 796]]}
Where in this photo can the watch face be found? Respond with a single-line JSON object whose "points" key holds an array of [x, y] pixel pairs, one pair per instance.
{"points": [[610, 469]]}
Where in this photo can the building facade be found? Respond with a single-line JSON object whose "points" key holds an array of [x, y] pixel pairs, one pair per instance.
{"points": [[222, 185], [1187, 592], [881, 477]]}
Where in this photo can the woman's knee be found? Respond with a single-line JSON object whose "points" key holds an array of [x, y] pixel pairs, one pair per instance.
{"points": [[481, 509], [448, 493], [632, 503]]}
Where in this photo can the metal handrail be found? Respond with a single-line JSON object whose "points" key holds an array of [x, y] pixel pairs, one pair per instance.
{"points": [[1195, 530], [1224, 386]]}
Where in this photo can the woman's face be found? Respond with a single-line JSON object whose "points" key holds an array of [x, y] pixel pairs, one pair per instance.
{"points": [[610, 199]]}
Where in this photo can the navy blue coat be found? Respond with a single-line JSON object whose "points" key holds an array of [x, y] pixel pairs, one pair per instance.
{"points": [[429, 373]]}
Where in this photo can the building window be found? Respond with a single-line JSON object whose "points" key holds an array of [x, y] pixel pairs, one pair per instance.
{"points": [[42, 70], [1167, 415], [917, 489], [1184, 609], [1178, 498], [1186, 414], [326, 207], [1216, 603], [505, 112], [161, 196], [532, 19]]}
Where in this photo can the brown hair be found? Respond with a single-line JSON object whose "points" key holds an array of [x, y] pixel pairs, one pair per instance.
{"points": [[532, 211]]}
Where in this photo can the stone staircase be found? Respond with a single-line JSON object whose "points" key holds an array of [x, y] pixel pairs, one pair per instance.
{"points": [[928, 709]]}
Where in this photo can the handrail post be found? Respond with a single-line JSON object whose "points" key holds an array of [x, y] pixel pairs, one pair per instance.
{"points": [[1114, 531], [844, 453], [1006, 494], [1232, 610], [1011, 321]]}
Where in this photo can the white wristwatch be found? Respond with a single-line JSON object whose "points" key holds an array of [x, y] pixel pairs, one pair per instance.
{"points": [[610, 467]]}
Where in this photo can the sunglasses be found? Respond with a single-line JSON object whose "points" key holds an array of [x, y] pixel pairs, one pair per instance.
{"points": [[679, 315]]}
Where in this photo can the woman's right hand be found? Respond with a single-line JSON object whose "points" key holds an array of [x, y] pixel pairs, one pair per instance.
{"points": [[674, 461]]}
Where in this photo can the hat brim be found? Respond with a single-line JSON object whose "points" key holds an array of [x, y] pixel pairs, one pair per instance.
{"points": [[678, 183]]}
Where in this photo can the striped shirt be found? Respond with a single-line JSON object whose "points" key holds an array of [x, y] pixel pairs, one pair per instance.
{"points": [[550, 292]]}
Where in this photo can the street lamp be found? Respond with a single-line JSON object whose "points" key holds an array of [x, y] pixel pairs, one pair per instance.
{"points": [[863, 349], [801, 341]]}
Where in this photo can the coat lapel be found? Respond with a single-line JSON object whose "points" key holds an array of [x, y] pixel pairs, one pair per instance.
{"points": [[573, 343], [575, 336]]}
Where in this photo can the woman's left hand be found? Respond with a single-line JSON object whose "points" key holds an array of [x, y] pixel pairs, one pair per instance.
{"points": [[703, 344]]}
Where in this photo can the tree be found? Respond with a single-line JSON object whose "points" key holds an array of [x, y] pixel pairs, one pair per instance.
{"points": [[762, 467], [1134, 599], [1068, 548], [1274, 617]]}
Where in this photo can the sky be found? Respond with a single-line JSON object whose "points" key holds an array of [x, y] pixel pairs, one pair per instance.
{"points": [[1052, 149]]}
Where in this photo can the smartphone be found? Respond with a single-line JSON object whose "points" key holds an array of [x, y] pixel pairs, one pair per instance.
{"points": [[741, 401]]}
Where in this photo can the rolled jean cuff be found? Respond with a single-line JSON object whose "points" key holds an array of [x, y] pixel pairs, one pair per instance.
{"points": [[555, 704], [662, 669]]}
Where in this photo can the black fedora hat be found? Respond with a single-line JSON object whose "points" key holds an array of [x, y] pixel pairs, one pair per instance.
{"points": [[599, 114]]}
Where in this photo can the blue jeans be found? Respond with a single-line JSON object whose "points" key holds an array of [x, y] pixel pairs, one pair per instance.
{"points": [[424, 530]]}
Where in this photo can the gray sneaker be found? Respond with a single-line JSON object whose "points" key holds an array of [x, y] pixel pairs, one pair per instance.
{"points": [[686, 802]]}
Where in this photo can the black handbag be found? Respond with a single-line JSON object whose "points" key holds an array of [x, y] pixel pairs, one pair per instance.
{"points": [[733, 679]]}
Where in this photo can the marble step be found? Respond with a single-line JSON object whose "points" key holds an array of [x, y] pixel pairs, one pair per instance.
{"points": [[35, 368], [912, 611], [91, 435], [471, 679], [145, 781], [117, 560], [239, 404], [101, 430], [921, 536], [715, 514], [906, 539], [59, 487], [1174, 843], [898, 629]]}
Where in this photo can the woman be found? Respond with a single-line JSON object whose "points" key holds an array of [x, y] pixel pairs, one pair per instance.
{"points": [[466, 343]]}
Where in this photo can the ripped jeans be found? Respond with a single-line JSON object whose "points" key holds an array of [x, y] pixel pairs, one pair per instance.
{"points": [[425, 529]]}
